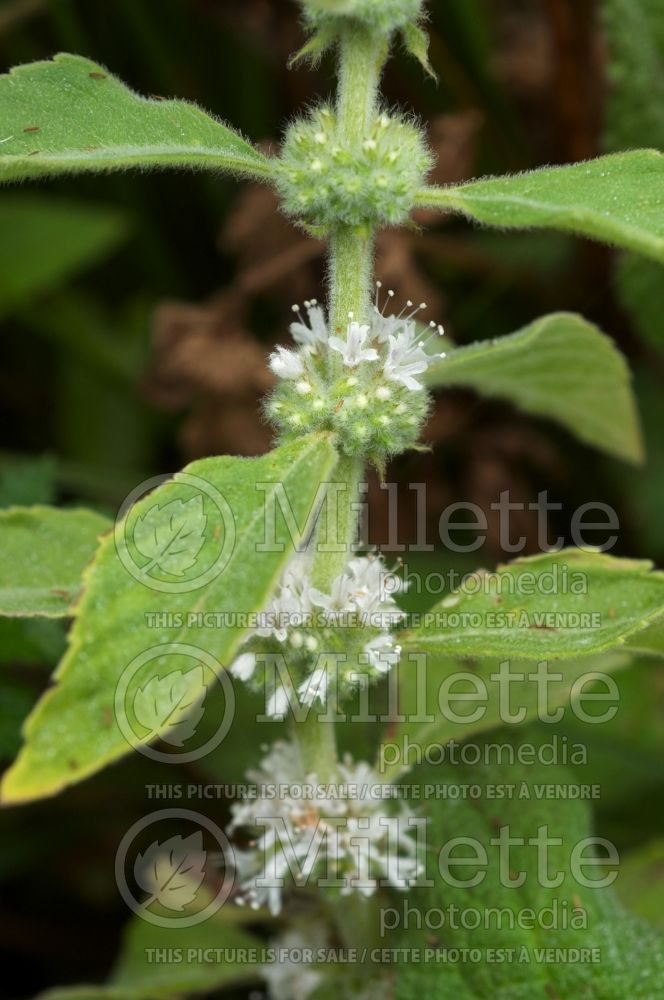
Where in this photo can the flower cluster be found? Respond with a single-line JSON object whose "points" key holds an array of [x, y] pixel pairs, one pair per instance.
{"points": [[323, 640], [383, 16], [341, 833], [326, 179], [364, 382]]}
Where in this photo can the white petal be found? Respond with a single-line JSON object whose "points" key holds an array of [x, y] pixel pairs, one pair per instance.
{"points": [[244, 666], [286, 364], [277, 706]]}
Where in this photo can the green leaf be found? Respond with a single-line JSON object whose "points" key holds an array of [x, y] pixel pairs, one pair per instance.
{"points": [[416, 41], [551, 606], [625, 755], [172, 537], [70, 115], [424, 725], [634, 112], [534, 917], [560, 367], [641, 290], [640, 883], [74, 730], [617, 199], [173, 705], [179, 969], [44, 241], [650, 640], [136, 977], [45, 552]]}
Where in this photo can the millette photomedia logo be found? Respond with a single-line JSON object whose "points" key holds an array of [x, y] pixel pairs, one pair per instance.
{"points": [[179, 695], [174, 868], [179, 540]]}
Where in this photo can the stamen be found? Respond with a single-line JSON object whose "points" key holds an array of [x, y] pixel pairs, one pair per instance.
{"points": [[415, 311], [298, 312], [436, 331]]}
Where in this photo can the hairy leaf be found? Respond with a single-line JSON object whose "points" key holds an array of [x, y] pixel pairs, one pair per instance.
{"points": [[74, 730], [560, 367], [618, 199], [438, 700], [70, 115], [547, 920], [172, 536], [551, 606], [45, 552], [172, 705]]}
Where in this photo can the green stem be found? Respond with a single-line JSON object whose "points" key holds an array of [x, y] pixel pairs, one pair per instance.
{"points": [[337, 524], [361, 58], [351, 258], [318, 746]]}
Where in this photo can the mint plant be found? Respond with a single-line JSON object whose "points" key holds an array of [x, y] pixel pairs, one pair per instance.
{"points": [[276, 539]]}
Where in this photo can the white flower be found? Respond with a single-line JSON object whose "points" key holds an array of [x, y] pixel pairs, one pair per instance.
{"points": [[314, 687], [383, 653], [353, 349], [391, 340], [405, 359], [278, 704], [343, 832], [286, 364], [338, 601], [363, 592], [291, 602], [244, 666], [316, 334]]}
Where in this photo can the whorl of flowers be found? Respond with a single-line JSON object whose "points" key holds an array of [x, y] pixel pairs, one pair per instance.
{"points": [[363, 382], [324, 638], [326, 179], [339, 833]]}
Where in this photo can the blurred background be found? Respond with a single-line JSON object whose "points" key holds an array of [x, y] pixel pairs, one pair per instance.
{"points": [[137, 311]]}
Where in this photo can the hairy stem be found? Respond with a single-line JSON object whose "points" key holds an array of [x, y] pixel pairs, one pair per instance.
{"points": [[318, 746], [351, 258], [361, 57], [337, 525]]}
